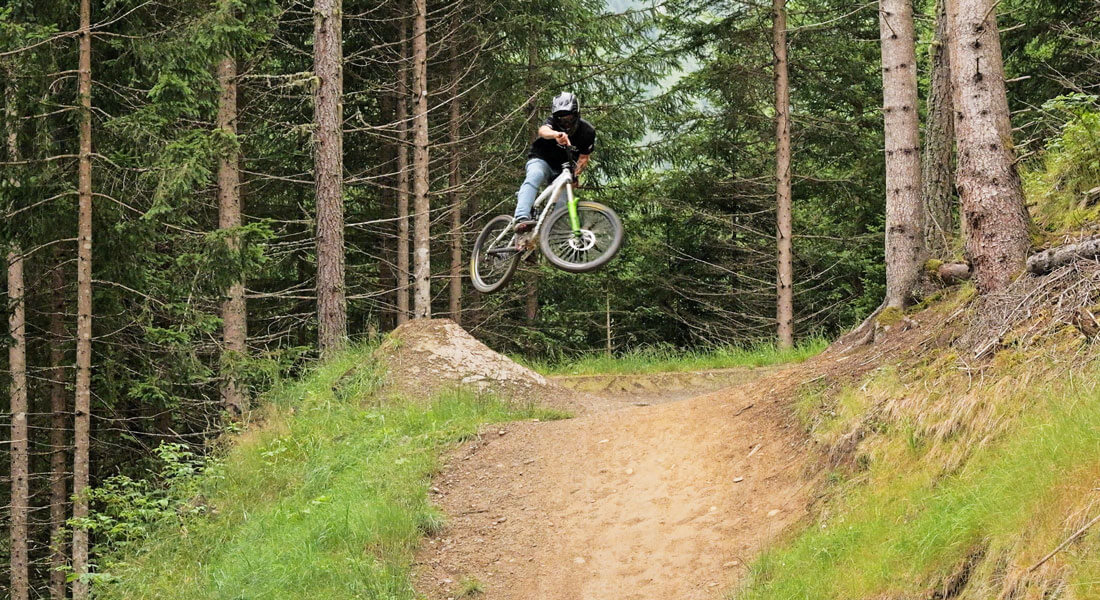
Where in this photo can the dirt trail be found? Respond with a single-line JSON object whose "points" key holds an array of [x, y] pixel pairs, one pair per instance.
{"points": [[627, 502]]}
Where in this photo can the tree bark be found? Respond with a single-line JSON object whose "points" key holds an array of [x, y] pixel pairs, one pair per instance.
{"points": [[82, 406], [938, 166], [17, 365], [422, 304], [20, 461], [329, 173], [403, 177], [59, 497], [531, 288], [387, 268], [531, 305], [234, 315], [455, 180], [995, 217], [904, 211], [785, 273]]}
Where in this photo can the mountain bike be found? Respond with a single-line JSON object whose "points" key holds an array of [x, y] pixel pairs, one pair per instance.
{"points": [[578, 237]]}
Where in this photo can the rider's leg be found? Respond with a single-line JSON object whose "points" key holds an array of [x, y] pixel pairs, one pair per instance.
{"points": [[538, 173]]}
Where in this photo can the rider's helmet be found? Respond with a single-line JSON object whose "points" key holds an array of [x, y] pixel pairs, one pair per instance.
{"points": [[566, 111]]}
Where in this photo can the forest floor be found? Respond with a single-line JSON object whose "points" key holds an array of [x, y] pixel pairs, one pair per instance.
{"points": [[662, 488]]}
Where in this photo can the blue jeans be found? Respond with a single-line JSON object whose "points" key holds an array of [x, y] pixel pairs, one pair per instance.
{"points": [[539, 173]]}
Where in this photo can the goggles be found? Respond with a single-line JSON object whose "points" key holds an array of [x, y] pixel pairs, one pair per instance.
{"points": [[566, 119]]}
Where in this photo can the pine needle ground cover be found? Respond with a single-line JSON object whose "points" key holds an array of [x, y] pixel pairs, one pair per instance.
{"points": [[657, 360], [952, 480], [328, 499]]}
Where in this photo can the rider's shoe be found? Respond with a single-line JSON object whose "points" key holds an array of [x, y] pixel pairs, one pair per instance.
{"points": [[524, 224]]}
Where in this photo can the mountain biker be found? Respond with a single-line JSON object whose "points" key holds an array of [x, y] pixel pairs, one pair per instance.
{"points": [[564, 127]]}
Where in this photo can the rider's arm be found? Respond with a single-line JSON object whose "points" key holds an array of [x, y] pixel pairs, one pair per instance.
{"points": [[582, 162], [549, 133]]}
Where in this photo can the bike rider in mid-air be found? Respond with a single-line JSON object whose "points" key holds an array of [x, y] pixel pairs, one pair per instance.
{"points": [[564, 127]]}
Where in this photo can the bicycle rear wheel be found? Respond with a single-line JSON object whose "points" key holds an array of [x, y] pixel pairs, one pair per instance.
{"points": [[599, 239], [495, 256]]}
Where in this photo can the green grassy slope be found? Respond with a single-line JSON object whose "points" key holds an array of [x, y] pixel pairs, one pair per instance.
{"points": [[952, 478], [328, 499]]}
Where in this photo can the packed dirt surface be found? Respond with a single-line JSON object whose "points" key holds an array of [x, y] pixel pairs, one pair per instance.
{"points": [[644, 502]]}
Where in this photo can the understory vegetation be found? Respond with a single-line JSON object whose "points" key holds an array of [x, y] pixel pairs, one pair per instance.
{"points": [[950, 476], [328, 499], [661, 359]]}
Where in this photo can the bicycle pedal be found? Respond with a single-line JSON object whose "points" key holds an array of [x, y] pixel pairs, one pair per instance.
{"points": [[525, 241]]}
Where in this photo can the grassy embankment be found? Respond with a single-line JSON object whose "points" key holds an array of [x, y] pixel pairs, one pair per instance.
{"points": [[328, 499], [656, 360], [967, 475]]}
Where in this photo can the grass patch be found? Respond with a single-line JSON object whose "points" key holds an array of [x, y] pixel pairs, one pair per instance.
{"points": [[909, 516], [327, 500], [656, 360]]}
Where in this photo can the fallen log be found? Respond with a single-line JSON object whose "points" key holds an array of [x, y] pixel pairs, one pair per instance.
{"points": [[952, 273], [1048, 260]]}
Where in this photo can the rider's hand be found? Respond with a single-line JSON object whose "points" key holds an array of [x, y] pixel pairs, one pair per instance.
{"points": [[563, 138]]}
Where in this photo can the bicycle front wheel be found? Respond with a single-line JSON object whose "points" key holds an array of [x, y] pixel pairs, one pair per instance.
{"points": [[495, 256], [597, 241]]}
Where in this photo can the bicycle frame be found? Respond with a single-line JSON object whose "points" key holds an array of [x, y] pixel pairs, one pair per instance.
{"points": [[550, 195]]}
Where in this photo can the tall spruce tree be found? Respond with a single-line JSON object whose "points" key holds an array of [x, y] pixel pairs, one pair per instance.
{"points": [[904, 207], [992, 199]]}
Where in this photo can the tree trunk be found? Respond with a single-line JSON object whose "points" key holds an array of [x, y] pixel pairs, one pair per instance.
{"points": [[992, 200], [387, 274], [785, 275], [59, 497], [939, 147], [234, 315], [17, 365], [82, 406], [329, 173], [531, 305], [403, 177], [904, 213], [531, 289], [20, 462], [455, 180], [422, 304]]}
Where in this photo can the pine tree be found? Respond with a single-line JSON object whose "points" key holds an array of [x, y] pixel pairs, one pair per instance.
{"points": [[938, 172], [20, 459], [992, 200], [904, 210], [784, 278], [234, 312], [403, 191], [422, 267], [82, 406], [329, 173]]}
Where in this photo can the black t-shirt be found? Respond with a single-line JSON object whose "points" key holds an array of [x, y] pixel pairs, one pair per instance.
{"points": [[584, 138]]}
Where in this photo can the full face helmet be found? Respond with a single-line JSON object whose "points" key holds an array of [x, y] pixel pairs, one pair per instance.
{"points": [[566, 111]]}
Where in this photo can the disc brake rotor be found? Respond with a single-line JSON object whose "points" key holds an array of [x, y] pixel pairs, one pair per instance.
{"points": [[583, 242]]}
